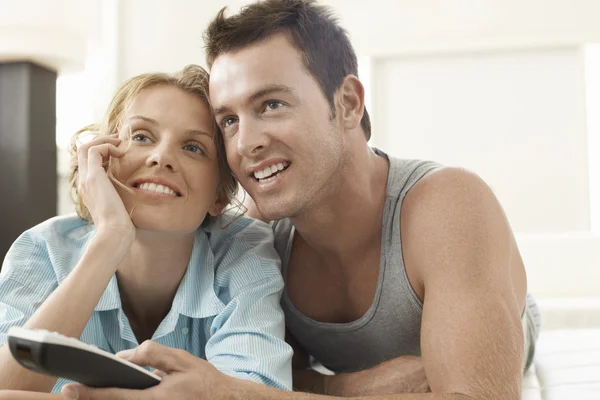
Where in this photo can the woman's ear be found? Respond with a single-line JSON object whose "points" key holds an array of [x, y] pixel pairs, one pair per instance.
{"points": [[218, 205]]}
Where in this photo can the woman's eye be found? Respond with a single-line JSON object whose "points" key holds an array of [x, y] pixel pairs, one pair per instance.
{"points": [[273, 104], [140, 137], [194, 148]]}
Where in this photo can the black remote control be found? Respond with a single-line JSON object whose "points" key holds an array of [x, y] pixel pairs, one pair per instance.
{"points": [[57, 355]]}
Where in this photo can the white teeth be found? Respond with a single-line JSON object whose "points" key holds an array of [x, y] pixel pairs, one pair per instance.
{"points": [[270, 170], [153, 187]]}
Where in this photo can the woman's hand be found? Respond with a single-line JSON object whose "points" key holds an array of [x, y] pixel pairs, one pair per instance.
{"points": [[95, 187], [185, 378]]}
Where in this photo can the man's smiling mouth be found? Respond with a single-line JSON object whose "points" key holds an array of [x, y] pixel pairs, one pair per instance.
{"points": [[270, 172]]}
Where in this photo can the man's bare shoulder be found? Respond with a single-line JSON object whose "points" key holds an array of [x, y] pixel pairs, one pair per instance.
{"points": [[446, 190], [447, 212]]}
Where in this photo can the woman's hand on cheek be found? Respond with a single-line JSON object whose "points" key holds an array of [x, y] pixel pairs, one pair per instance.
{"points": [[97, 191]]}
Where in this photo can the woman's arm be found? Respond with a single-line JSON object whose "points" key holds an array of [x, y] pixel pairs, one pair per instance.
{"points": [[247, 337], [66, 309], [21, 395]]}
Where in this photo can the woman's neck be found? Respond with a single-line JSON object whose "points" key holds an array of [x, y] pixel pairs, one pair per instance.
{"points": [[149, 276]]}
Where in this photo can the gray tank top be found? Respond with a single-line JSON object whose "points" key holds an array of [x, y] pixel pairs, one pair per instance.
{"points": [[392, 325]]}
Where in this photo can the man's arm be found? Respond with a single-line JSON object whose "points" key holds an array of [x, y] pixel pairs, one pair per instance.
{"points": [[460, 250]]}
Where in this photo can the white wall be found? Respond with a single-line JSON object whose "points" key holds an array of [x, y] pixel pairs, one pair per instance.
{"points": [[164, 35], [517, 118], [592, 60], [385, 28], [51, 33], [157, 35]]}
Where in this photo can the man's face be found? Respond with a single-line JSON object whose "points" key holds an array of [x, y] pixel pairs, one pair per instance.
{"points": [[280, 138]]}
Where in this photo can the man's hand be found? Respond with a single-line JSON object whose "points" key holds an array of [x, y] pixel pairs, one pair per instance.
{"points": [[185, 378], [404, 374]]}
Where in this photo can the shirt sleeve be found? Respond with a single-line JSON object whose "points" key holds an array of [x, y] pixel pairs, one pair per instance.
{"points": [[27, 279], [247, 336]]}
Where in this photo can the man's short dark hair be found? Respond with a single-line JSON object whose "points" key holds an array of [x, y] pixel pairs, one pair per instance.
{"points": [[314, 31]]}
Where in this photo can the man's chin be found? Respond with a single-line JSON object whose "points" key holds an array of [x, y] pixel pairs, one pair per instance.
{"points": [[274, 210]]}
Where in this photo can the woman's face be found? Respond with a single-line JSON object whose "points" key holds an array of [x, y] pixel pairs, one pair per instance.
{"points": [[171, 164]]}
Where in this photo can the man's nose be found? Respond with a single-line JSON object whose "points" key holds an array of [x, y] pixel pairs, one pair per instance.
{"points": [[252, 138]]}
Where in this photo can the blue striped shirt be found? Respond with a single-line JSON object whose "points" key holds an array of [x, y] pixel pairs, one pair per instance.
{"points": [[226, 309]]}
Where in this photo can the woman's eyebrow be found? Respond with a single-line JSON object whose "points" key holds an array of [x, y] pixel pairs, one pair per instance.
{"points": [[196, 132], [146, 119], [188, 132]]}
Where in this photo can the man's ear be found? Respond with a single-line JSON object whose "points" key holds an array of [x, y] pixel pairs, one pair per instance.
{"points": [[351, 99]]}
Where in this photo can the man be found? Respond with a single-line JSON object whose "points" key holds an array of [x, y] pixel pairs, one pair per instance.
{"points": [[384, 259]]}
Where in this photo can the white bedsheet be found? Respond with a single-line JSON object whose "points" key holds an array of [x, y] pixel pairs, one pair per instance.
{"points": [[566, 367]]}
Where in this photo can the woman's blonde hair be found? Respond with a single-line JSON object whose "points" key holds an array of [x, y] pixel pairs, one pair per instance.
{"points": [[193, 79]]}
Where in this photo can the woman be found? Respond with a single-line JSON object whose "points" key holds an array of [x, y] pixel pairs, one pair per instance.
{"points": [[151, 255]]}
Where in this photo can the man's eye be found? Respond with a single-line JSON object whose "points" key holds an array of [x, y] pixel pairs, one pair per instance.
{"points": [[273, 104], [228, 121]]}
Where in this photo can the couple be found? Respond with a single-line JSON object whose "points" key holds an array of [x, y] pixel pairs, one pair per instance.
{"points": [[400, 276]]}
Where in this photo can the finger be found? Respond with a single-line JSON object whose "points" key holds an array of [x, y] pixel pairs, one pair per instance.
{"points": [[81, 392], [99, 140], [82, 151], [97, 154], [159, 357], [158, 373]]}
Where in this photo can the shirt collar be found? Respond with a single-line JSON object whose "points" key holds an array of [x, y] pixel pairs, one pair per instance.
{"points": [[111, 299], [195, 297]]}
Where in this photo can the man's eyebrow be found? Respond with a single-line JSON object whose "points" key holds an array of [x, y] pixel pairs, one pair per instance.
{"points": [[265, 91], [220, 110]]}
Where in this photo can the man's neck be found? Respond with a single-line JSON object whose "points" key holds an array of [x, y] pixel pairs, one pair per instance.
{"points": [[348, 220], [150, 276]]}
